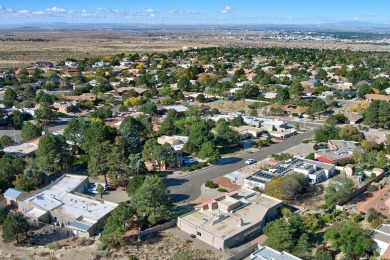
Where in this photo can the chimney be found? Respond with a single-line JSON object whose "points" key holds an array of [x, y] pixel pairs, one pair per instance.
{"points": [[240, 222]]}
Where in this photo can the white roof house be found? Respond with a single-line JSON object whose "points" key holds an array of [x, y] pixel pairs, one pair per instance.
{"points": [[64, 203]]}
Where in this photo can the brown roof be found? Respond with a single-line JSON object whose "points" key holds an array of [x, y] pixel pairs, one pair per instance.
{"points": [[295, 109], [378, 97], [353, 116]]}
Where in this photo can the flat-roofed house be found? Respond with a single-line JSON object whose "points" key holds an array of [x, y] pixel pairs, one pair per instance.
{"points": [[313, 170], [12, 196], [339, 151], [381, 236], [230, 219], [267, 253], [63, 203]]}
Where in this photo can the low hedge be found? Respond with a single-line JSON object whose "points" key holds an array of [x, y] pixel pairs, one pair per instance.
{"points": [[194, 167]]}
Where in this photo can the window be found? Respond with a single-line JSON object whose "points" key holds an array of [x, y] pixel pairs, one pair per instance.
{"points": [[198, 234]]}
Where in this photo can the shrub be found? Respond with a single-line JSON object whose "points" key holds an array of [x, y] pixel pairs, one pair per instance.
{"points": [[316, 147], [181, 256], [310, 156], [82, 241], [6, 140], [54, 245], [211, 185], [306, 141], [222, 190], [372, 188], [194, 167], [294, 114], [123, 109]]}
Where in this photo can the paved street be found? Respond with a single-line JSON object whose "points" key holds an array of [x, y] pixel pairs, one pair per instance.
{"points": [[59, 125], [186, 188]]}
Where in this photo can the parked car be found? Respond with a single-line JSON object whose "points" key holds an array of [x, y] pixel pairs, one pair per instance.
{"points": [[250, 161], [93, 187]]}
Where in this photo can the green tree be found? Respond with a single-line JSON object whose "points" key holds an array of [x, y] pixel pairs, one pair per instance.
{"points": [[323, 255], [152, 200], [15, 119], [9, 97], [100, 190], [317, 105], [363, 90], [350, 133], [14, 227], [209, 152], [31, 179], [116, 225], [3, 215], [102, 113], [136, 164], [153, 152], [339, 188], [168, 125], [28, 93], [280, 235], [30, 131], [381, 160], [249, 91], [225, 135], [148, 108], [303, 247], [200, 98], [107, 160], [184, 83], [134, 184], [237, 121], [74, 130], [95, 133], [254, 113], [51, 155], [282, 95], [199, 134], [326, 133], [9, 168], [168, 154], [45, 114], [295, 91], [350, 237]]}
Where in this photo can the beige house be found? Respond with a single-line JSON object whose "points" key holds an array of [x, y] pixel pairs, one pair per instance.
{"points": [[230, 219]]}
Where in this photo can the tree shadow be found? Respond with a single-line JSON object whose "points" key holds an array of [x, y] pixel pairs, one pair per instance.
{"points": [[229, 160], [179, 197], [175, 182]]}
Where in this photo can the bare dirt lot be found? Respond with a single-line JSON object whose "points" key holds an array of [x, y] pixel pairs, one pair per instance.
{"points": [[59, 45]]}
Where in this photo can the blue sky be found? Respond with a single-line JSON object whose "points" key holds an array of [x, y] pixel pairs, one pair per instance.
{"points": [[195, 12]]}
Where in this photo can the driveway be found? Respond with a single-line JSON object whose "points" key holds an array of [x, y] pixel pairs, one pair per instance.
{"points": [[186, 188]]}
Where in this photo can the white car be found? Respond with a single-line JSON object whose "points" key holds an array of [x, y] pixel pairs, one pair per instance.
{"points": [[250, 161], [92, 187]]}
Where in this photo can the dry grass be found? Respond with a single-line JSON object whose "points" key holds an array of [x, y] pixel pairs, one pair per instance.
{"points": [[90, 43]]}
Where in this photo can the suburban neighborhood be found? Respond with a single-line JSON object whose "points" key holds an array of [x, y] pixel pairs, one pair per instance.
{"points": [[236, 153]]}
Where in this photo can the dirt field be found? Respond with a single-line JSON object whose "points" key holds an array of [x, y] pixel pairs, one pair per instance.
{"points": [[161, 246], [60, 45]]}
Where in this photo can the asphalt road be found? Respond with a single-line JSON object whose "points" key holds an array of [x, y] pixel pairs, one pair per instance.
{"points": [[186, 188], [59, 125]]}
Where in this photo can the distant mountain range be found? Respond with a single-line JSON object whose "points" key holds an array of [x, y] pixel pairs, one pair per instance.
{"points": [[348, 26]]}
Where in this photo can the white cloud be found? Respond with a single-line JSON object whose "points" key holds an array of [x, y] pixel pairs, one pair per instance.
{"points": [[371, 14], [55, 10], [226, 9], [23, 12]]}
